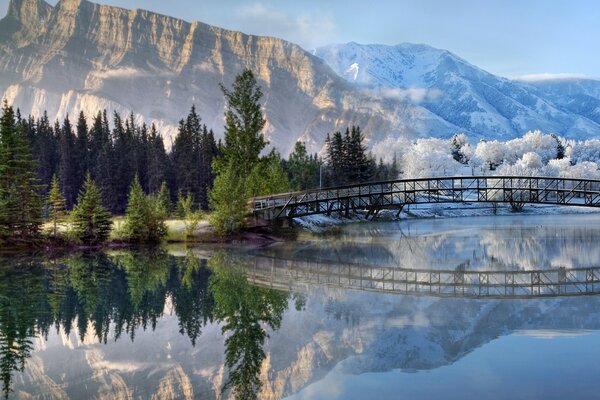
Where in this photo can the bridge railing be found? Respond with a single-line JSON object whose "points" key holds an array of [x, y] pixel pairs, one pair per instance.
{"points": [[551, 282], [440, 189]]}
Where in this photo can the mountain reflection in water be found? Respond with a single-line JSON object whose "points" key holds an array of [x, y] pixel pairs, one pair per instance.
{"points": [[148, 324]]}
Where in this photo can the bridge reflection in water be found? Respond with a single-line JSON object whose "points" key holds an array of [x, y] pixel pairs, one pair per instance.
{"points": [[376, 196], [293, 274]]}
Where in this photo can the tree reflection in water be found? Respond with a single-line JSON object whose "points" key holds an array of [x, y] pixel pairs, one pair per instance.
{"points": [[245, 311], [125, 291]]}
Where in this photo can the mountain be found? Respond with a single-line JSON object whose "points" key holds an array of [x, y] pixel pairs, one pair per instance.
{"points": [[468, 97], [579, 96], [79, 55]]}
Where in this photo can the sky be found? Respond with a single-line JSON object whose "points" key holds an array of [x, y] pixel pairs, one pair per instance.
{"points": [[511, 38]]}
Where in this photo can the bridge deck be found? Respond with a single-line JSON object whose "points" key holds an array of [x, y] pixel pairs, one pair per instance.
{"points": [[374, 196]]}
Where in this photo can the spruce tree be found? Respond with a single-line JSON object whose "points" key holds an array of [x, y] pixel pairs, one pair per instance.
{"points": [[20, 202], [67, 168], [158, 161], [136, 216], [240, 154], [303, 169], [56, 206], [145, 217], [244, 123], [91, 221], [164, 199]]}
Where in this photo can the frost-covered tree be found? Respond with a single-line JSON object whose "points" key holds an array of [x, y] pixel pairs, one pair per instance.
{"points": [[490, 154], [429, 158]]}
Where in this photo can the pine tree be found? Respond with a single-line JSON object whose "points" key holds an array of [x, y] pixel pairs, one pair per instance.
{"points": [[56, 206], [164, 199], [136, 217], [91, 221], [244, 123], [240, 154], [20, 202], [303, 169], [158, 161], [560, 148], [82, 159], [145, 217], [67, 168]]}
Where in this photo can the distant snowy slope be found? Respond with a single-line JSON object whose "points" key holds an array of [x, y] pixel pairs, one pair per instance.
{"points": [[578, 96], [462, 94]]}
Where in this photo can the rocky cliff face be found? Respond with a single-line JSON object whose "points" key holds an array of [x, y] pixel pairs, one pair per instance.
{"points": [[79, 55]]}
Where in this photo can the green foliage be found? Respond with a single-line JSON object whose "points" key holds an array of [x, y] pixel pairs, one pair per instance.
{"points": [[91, 222], [244, 123], [145, 216], [164, 199], [228, 202], [347, 158], [56, 206], [303, 170], [191, 216], [241, 172], [20, 202], [267, 177]]}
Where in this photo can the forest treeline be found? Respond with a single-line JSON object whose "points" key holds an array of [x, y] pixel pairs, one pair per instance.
{"points": [[106, 154]]}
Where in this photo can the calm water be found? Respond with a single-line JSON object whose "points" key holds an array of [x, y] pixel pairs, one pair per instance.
{"points": [[317, 319]]}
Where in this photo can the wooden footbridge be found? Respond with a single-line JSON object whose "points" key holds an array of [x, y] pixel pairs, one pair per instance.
{"points": [[376, 196], [296, 275]]}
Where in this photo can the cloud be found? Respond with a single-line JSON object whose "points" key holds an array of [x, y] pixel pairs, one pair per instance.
{"points": [[549, 77], [414, 95], [307, 30]]}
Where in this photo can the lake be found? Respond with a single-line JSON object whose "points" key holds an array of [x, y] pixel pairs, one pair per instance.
{"points": [[485, 307]]}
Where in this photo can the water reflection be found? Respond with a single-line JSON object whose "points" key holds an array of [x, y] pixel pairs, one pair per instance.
{"points": [[151, 325], [488, 243], [116, 295]]}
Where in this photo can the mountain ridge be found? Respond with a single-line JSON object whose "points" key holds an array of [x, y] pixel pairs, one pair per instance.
{"points": [[471, 98], [87, 57], [81, 56]]}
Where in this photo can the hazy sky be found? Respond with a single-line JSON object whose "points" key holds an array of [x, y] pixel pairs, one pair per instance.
{"points": [[506, 37]]}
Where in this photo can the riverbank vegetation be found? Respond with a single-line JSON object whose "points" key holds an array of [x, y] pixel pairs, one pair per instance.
{"points": [[66, 184]]}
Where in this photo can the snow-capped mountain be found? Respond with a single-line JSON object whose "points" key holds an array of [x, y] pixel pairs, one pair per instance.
{"points": [[466, 96], [78, 55]]}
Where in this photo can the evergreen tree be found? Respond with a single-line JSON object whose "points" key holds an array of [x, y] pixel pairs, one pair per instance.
{"points": [[20, 202], [158, 161], [67, 168], [268, 177], [137, 213], [560, 148], [145, 216], [56, 206], [91, 222], [336, 160], [206, 154], [240, 154], [244, 123], [303, 169], [191, 216], [45, 150], [82, 159], [164, 199]]}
